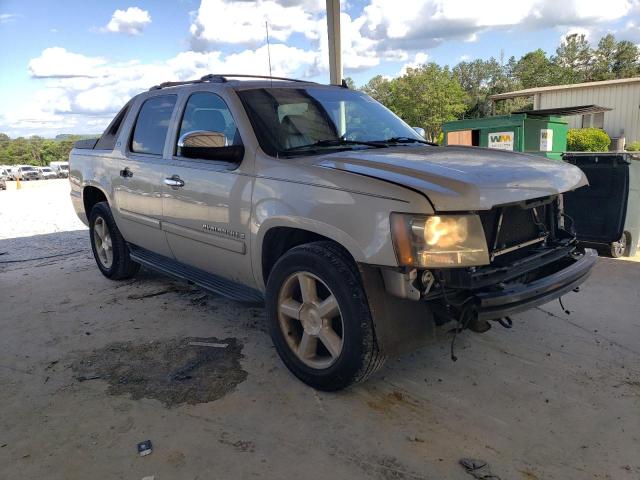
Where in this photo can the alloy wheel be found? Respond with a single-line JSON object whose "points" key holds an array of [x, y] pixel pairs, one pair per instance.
{"points": [[102, 241], [310, 319]]}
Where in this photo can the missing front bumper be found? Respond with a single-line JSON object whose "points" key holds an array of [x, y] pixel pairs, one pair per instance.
{"points": [[518, 297]]}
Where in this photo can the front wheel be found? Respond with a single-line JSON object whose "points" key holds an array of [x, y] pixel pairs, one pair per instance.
{"points": [[619, 249], [319, 317], [109, 247]]}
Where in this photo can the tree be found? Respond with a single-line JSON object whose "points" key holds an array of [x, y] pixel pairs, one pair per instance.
{"points": [[535, 69], [604, 58], [482, 78], [379, 87], [427, 97], [573, 57], [626, 61]]}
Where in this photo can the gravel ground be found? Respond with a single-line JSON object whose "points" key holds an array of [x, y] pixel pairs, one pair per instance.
{"points": [[87, 365]]}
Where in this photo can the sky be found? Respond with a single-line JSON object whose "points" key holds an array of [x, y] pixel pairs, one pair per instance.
{"points": [[68, 66]]}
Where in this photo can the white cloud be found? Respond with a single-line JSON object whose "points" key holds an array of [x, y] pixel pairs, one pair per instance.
{"points": [[419, 59], [577, 31], [131, 21], [57, 62], [81, 93], [242, 22], [8, 18], [405, 24]]}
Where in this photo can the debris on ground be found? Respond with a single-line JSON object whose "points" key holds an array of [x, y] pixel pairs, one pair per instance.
{"points": [[85, 378], [145, 448], [171, 371], [208, 344], [157, 293], [478, 469]]}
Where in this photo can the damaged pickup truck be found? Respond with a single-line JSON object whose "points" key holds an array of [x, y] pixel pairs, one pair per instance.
{"points": [[362, 238]]}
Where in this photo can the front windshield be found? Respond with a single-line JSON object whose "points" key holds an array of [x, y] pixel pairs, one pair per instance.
{"points": [[314, 119], [28, 169]]}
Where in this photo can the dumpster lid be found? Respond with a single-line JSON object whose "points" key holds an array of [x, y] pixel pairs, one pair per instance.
{"points": [[566, 111]]}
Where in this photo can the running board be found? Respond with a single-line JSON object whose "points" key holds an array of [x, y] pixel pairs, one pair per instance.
{"points": [[206, 280]]}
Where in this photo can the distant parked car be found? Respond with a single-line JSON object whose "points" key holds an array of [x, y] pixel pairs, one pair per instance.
{"points": [[4, 175], [47, 173], [61, 169], [26, 173]]}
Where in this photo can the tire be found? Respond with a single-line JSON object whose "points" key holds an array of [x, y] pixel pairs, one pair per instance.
{"points": [[118, 265], [619, 249], [345, 350]]}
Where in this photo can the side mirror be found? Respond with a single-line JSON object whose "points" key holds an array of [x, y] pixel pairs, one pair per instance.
{"points": [[420, 131], [209, 146]]}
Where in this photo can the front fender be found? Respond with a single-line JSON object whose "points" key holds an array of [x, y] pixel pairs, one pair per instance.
{"points": [[314, 226]]}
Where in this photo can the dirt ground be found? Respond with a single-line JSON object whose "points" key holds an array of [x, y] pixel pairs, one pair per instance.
{"points": [[89, 368]]}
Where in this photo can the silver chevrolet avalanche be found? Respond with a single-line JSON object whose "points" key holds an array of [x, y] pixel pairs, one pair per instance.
{"points": [[362, 239]]}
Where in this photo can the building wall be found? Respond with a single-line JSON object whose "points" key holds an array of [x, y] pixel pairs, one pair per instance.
{"points": [[623, 98]]}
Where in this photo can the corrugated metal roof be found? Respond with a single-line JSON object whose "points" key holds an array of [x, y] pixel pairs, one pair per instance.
{"points": [[531, 91], [566, 111]]}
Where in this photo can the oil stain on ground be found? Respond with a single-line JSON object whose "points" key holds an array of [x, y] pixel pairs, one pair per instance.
{"points": [[175, 372]]}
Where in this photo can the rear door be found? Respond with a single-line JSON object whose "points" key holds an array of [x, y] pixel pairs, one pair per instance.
{"points": [[599, 209], [207, 218], [139, 187]]}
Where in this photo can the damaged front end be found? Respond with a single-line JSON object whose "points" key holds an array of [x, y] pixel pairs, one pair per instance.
{"points": [[533, 258]]}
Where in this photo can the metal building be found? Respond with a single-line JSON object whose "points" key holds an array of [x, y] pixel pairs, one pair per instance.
{"points": [[622, 96]]}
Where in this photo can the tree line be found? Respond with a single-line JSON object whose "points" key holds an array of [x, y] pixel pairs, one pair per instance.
{"points": [[430, 94], [36, 150]]}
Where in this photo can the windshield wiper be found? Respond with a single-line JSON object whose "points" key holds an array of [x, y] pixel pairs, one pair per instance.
{"points": [[336, 142], [406, 140]]}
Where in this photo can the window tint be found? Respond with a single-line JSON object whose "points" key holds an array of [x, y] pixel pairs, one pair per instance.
{"points": [[207, 111], [108, 139], [152, 125]]}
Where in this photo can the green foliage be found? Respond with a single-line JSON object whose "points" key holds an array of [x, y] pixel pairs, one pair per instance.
{"points": [[573, 59], [425, 97], [633, 147], [587, 140], [35, 150]]}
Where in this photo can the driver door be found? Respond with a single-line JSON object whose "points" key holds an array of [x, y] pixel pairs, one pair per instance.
{"points": [[207, 203]]}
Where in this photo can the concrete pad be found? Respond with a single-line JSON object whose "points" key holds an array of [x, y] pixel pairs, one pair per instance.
{"points": [[557, 396]]}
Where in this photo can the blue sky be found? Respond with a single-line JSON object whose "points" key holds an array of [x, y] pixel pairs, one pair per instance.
{"points": [[67, 66]]}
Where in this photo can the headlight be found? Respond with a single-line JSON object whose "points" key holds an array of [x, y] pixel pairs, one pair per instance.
{"points": [[439, 240]]}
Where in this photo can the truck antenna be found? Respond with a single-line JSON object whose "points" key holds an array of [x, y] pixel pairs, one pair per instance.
{"points": [[266, 26]]}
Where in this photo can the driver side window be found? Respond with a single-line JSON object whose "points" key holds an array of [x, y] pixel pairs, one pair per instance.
{"points": [[206, 111]]}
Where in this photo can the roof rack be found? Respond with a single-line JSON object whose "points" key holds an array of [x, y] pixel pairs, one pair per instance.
{"points": [[222, 78]]}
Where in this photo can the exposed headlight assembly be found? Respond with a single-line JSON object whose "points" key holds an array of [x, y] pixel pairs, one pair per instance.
{"points": [[439, 240]]}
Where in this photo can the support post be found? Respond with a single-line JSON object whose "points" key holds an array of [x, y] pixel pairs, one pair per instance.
{"points": [[335, 51]]}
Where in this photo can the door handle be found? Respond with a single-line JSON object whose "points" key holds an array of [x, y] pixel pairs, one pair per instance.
{"points": [[126, 173], [174, 181]]}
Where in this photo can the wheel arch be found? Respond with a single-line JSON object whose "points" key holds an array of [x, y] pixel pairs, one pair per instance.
{"points": [[91, 195], [276, 238]]}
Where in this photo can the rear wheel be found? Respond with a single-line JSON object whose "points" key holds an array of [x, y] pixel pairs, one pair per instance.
{"points": [[319, 317], [109, 247]]}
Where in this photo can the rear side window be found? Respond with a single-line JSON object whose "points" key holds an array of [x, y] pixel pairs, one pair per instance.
{"points": [[108, 139], [152, 124]]}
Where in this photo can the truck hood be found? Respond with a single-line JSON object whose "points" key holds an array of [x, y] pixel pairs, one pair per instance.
{"points": [[461, 178]]}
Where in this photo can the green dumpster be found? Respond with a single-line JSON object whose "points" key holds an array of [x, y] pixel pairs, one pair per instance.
{"points": [[607, 212], [528, 132]]}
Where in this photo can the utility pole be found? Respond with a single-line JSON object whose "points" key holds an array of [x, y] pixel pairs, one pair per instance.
{"points": [[335, 49]]}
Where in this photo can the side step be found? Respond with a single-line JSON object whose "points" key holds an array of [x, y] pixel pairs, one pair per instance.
{"points": [[206, 280]]}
